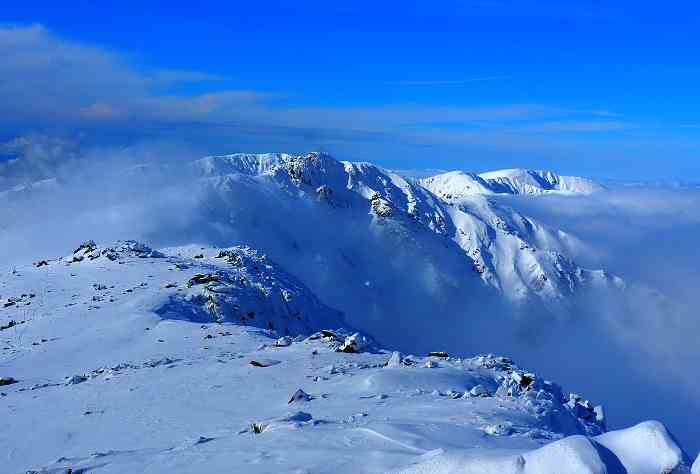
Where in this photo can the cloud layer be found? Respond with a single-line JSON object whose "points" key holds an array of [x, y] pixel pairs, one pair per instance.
{"points": [[60, 87], [648, 235]]}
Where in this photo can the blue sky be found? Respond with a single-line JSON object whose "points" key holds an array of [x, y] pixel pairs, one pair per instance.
{"points": [[605, 89]]}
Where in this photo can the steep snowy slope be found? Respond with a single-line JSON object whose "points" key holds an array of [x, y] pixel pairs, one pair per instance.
{"points": [[287, 204], [127, 359], [456, 185], [517, 256]]}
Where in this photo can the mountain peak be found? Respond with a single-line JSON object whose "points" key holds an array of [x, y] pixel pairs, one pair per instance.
{"points": [[526, 181]]}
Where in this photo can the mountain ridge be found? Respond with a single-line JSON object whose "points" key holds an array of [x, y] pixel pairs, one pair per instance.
{"points": [[202, 390], [484, 230]]}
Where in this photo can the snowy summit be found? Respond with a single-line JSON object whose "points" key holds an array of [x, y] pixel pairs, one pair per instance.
{"points": [[456, 184]]}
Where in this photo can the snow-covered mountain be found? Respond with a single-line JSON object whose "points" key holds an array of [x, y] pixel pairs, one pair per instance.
{"points": [[517, 256], [455, 185], [123, 358], [521, 181], [347, 228]]}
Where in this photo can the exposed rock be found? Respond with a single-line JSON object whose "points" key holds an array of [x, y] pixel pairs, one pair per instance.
{"points": [[134, 249], [324, 192], [584, 409], [202, 279], [75, 379], [380, 206], [10, 324], [300, 396], [438, 354], [7, 381], [255, 293], [264, 362], [489, 361], [354, 343], [231, 257], [283, 341], [86, 247], [516, 383], [121, 248], [257, 428]]}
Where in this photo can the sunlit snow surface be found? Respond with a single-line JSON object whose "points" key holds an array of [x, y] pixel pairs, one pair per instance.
{"points": [[128, 359]]}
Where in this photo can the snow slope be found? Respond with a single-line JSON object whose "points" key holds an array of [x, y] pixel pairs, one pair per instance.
{"points": [[522, 181], [127, 359], [511, 253], [454, 185]]}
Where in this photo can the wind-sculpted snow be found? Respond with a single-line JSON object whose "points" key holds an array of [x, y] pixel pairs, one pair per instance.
{"points": [[618, 452], [103, 377]]}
